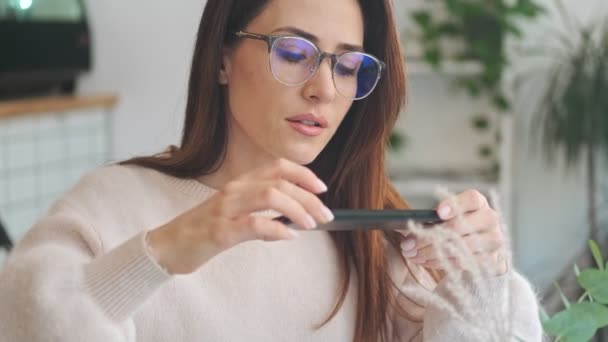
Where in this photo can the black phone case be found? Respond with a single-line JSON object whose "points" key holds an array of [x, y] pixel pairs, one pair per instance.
{"points": [[352, 219]]}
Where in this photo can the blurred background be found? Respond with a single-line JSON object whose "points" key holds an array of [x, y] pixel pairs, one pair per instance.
{"points": [[506, 96]]}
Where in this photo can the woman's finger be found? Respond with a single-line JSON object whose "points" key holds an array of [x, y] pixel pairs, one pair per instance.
{"points": [[290, 171], [476, 222], [436, 265], [242, 199], [488, 241], [313, 205], [465, 202], [261, 228]]}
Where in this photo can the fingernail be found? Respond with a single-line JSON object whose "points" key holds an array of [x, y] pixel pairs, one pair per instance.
{"points": [[310, 222], [321, 186], [444, 211], [410, 254], [408, 245], [293, 234], [327, 214]]}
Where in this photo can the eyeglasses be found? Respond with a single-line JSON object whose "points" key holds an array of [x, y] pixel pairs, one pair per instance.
{"points": [[294, 60]]}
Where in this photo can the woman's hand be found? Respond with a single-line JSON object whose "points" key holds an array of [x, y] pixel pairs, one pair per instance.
{"points": [[224, 220], [478, 225]]}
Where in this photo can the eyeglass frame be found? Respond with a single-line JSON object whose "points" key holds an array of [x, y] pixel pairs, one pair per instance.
{"points": [[271, 39]]}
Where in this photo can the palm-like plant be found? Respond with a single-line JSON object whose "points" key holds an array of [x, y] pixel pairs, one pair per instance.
{"points": [[573, 116]]}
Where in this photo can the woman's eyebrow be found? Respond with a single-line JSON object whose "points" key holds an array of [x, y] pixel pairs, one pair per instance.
{"points": [[315, 39]]}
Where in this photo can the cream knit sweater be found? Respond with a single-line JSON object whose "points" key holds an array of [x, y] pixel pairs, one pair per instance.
{"points": [[82, 273]]}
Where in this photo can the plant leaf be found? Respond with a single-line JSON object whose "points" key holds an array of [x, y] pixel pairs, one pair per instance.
{"points": [[597, 254], [501, 102], [449, 29], [422, 18], [569, 327], [470, 85], [561, 294], [481, 122], [598, 312], [529, 8], [486, 151], [396, 141], [543, 314], [577, 271], [596, 283], [579, 322], [433, 56]]}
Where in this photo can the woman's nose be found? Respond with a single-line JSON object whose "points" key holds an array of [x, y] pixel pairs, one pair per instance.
{"points": [[320, 87]]}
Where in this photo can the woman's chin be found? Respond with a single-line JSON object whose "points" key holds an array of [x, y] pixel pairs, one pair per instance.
{"points": [[303, 161], [302, 157]]}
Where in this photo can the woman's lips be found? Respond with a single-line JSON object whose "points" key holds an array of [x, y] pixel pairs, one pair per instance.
{"points": [[308, 124], [307, 130], [319, 120]]}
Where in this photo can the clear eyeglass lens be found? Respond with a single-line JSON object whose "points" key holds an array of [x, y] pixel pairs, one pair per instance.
{"points": [[294, 60]]}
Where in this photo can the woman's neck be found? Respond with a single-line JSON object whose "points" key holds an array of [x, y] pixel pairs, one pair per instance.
{"points": [[242, 156]]}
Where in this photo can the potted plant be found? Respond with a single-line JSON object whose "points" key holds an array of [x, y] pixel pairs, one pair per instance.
{"points": [[581, 320], [573, 116], [480, 29], [572, 122]]}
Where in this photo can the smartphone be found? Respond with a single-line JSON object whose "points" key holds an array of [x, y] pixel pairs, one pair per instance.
{"points": [[355, 219]]}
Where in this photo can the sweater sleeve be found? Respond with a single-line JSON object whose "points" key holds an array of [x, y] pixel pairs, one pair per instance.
{"points": [[503, 308], [60, 285]]}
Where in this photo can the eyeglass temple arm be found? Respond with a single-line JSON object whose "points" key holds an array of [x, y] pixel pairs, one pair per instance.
{"points": [[267, 39]]}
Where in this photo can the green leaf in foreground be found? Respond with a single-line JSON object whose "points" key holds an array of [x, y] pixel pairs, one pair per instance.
{"points": [[596, 283], [562, 295], [597, 254], [578, 323]]}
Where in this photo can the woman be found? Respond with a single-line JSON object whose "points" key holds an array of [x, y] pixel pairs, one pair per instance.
{"points": [[175, 247]]}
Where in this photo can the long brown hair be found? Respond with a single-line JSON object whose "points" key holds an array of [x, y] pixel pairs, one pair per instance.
{"points": [[352, 164]]}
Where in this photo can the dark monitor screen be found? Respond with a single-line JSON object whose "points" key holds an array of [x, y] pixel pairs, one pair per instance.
{"points": [[65, 11]]}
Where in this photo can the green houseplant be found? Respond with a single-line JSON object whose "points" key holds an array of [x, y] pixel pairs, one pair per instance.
{"points": [[573, 117], [482, 27], [581, 320], [572, 122]]}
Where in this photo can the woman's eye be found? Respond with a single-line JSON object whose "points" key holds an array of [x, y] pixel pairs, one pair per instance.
{"points": [[345, 71], [292, 56]]}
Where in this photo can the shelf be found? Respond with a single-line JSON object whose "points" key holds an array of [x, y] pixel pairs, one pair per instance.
{"points": [[421, 192], [30, 106], [419, 67], [426, 186]]}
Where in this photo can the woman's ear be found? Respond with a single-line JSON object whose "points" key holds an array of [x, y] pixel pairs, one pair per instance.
{"points": [[225, 68]]}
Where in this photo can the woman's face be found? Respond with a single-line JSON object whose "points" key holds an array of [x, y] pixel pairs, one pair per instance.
{"points": [[263, 111]]}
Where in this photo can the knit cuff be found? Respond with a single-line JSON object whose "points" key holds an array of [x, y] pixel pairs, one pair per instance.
{"points": [[477, 293], [124, 278]]}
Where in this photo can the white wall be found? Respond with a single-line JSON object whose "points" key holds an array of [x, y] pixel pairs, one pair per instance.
{"points": [[142, 52], [437, 121]]}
